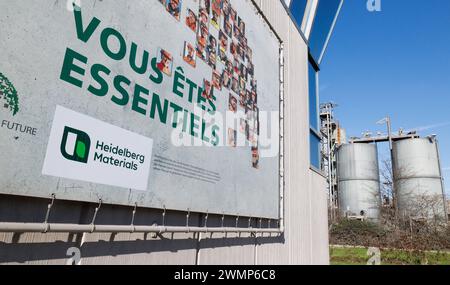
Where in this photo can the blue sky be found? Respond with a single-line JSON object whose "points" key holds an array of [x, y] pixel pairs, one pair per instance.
{"points": [[395, 62]]}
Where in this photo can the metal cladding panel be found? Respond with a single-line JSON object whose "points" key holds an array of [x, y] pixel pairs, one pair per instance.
{"points": [[415, 158], [168, 144], [35, 249], [360, 195], [297, 248], [417, 179], [232, 250], [359, 181], [132, 249], [358, 162], [306, 238], [320, 254], [413, 192], [299, 197]]}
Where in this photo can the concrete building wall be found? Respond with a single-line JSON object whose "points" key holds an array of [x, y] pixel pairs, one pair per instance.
{"points": [[305, 240]]}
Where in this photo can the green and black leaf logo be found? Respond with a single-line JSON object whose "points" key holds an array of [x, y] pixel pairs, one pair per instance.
{"points": [[75, 145], [8, 95]]}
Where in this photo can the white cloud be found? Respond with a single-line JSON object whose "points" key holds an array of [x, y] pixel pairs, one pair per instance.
{"points": [[430, 127]]}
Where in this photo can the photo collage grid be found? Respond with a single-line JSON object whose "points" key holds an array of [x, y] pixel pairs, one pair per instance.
{"points": [[222, 44]]}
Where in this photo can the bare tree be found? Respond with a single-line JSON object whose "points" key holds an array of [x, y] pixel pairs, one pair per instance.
{"points": [[387, 183]]}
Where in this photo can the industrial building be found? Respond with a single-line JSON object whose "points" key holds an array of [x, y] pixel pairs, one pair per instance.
{"points": [[417, 182], [333, 136], [418, 179], [273, 212]]}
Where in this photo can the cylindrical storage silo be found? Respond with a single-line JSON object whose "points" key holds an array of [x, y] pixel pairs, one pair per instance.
{"points": [[417, 177], [359, 180]]}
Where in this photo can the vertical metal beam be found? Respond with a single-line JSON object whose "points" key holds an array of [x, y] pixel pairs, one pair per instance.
{"points": [[442, 179], [330, 186], [282, 146]]}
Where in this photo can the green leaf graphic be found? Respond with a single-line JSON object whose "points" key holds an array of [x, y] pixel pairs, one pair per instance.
{"points": [[81, 149], [9, 93]]}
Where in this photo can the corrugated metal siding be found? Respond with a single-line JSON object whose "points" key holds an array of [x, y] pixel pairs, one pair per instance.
{"points": [[306, 237], [34, 248], [227, 251], [132, 249], [319, 220]]}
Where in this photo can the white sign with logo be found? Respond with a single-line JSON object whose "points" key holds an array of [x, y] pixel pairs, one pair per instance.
{"points": [[87, 149]]}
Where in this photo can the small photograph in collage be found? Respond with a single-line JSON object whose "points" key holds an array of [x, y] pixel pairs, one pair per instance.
{"points": [[191, 20], [223, 40], [226, 7], [189, 54], [242, 83], [251, 136], [216, 6], [232, 137], [249, 105], [236, 32], [242, 98], [164, 62], [216, 13], [201, 52], [233, 15], [226, 79], [211, 52], [228, 26], [216, 80], [243, 126], [244, 43], [203, 17], [229, 68], [243, 71], [254, 85], [251, 69], [202, 35], [212, 44], [207, 90], [254, 97], [255, 157], [234, 49], [223, 56], [237, 67], [256, 118], [232, 104], [205, 4], [223, 46], [174, 8], [250, 113], [249, 54], [249, 99], [235, 85], [241, 25], [241, 52], [215, 20]]}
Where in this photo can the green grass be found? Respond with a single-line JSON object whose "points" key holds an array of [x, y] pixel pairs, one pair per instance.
{"points": [[348, 256], [358, 256]]}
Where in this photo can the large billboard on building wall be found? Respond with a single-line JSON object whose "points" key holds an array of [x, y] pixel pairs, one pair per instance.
{"points": [[163, 104]]}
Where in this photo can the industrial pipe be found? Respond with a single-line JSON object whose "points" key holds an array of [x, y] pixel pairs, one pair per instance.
{"points": [[73, 228]]}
